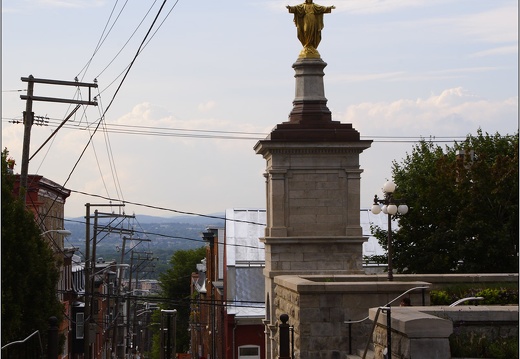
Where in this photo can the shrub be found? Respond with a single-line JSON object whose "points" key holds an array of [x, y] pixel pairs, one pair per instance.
{"points": [[499, 295], [440, 297], [478, 346]]}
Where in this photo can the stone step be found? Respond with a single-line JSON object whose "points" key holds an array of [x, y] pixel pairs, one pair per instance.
{"points": [[359, 354]]}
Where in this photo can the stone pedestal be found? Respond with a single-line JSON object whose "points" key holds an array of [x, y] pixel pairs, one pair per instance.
{"points": [[313, 189]]}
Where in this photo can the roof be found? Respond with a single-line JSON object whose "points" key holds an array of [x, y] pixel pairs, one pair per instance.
{"points": [[245, 254], [240, 228], [249, 293], [243, 229]]}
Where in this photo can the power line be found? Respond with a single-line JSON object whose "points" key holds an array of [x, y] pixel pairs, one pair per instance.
{"points": [[182, 301], [144, 46], [127, 41], [241, 135], [101, 38], [150, 234], [163, 208], [101, 119]]}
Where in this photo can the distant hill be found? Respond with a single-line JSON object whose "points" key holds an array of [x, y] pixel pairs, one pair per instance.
{"points": [[158, 236], [210, 219]]}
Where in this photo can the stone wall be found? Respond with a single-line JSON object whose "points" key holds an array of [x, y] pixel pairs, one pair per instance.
{"points": [[318, 310], [318, 307], [425, 331], [415, 334]]}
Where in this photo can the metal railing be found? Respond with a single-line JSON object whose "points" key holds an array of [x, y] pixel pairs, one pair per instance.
{"points": [[385, 307], [454, 304], [28, 348]]}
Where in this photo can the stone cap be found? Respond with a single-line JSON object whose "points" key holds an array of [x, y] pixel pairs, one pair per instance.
{"points": [[314, 130], [319, 284], [437, 321], [268, 145], [476, 313], [414, 322]]}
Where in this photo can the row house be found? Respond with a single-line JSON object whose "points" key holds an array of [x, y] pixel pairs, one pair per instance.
{"points": [[103, 302], [229, 307], [46, 200]]}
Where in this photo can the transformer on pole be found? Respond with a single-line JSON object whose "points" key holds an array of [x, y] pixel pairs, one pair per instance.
{"points": [[168, 330]]}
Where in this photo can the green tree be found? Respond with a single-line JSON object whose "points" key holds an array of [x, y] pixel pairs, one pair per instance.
{"points": [[463, 210], [176, 287], [29, 269]]}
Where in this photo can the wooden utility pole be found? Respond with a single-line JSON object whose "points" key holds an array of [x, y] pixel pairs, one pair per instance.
{"points": [[28, 117], [90, 270]]}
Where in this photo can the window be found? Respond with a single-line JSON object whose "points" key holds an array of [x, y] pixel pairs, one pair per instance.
{"points": [[249, 352], [80, 325]]}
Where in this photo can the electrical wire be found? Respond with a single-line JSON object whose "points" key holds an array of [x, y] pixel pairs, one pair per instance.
{"points": [[101, 38], [112, 164], [198, 240], [240, 135], [163, 208], [101, 119], [127, 41], [144, 46], [181, 301]]}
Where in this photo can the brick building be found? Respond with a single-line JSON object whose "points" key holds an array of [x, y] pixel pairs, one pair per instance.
{"points": [[46, 200], [228, 311]]}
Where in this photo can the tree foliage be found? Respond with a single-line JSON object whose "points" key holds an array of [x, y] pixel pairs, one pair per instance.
{"points": [[29, 269], [463, 211], [176, 287]]}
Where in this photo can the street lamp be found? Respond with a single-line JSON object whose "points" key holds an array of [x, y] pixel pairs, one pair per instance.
{"points": [[89, 299], [391, 206], [209, 237], [63, 232], [122, 265]]}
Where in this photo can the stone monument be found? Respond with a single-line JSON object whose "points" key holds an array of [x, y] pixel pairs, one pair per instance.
{"points": [[312, 182]]}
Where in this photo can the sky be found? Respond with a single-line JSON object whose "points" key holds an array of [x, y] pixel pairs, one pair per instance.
{"points": [[181, 106]]}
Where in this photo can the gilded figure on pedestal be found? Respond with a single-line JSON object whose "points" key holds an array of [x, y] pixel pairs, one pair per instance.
{"points": [[308, 18]]}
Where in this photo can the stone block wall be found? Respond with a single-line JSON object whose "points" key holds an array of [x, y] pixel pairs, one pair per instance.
{"points": [[318, 310], [319, 305], [424, 332], [314, 256], [415, 334]]}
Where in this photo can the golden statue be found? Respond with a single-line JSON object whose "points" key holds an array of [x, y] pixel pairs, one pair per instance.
{"points": [[308, 18]]}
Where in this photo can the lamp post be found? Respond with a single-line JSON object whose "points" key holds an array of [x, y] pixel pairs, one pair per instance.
{"points": [[63, 232], [89, 300], [209, 237], [122, 265], [391, 206]]}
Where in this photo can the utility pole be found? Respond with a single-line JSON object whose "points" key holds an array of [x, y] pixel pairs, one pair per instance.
{"points": [[168, 332], [119, 351], [86, 336], [90, 268], [28, 117], [134, 268]]}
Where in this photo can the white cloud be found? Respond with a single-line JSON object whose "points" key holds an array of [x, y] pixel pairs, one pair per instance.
{"points": [[27, 6], [494, 26], [369, 77], [411, 76], [453, 112], [381, 6], [502, 50], [207, 106], [71, 3], [146, 114]]}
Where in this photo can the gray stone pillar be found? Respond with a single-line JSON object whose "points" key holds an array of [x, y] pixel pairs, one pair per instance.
{"points": [[313, 188]]}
